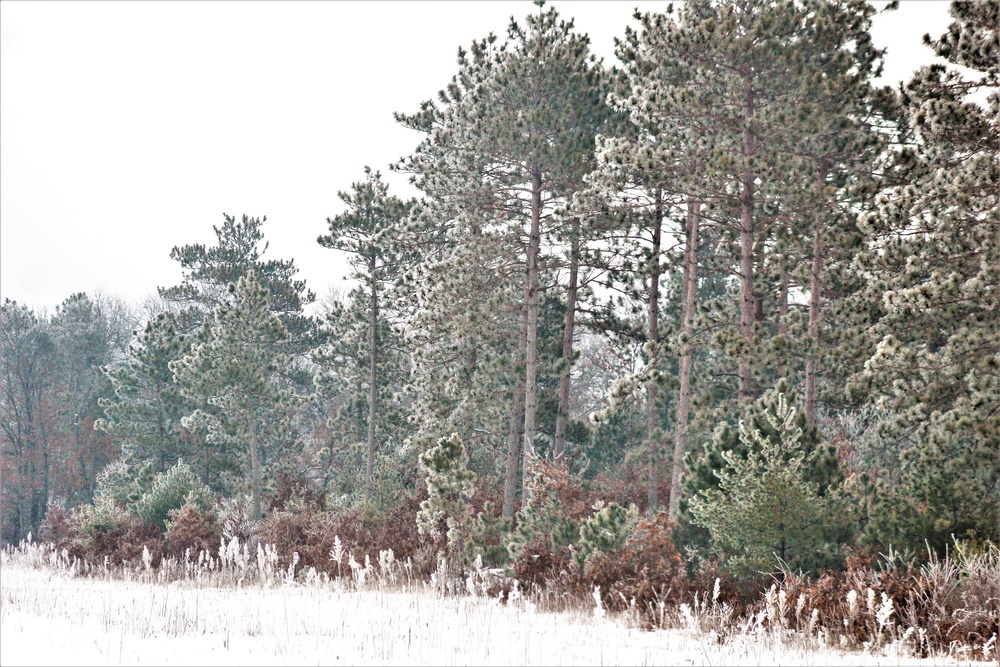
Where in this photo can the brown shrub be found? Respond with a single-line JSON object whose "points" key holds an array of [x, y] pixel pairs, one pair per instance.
{"points": [[296, 494], [954, 603], [190, 529], [538, 566], [312, 535], [124, 543], [628, 486], [644, 575], [64, 529]]}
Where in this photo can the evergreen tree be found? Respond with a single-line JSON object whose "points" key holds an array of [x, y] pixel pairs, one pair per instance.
{"points": [[934, 263], [450, 485], [235, 370], [748, 116], [208, 272], [511, 142], [766, 505], [147, 407], [365, 232], [823, 469]]}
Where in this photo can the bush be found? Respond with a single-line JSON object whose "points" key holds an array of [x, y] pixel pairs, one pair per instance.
{"points": [[236, 518], [118, 482], [606, 530], [644, 572], [191, 528], [171, 490], [124, 543], [550, 521], [450, 484], [487, 536], [312, 535], [64, 529]]}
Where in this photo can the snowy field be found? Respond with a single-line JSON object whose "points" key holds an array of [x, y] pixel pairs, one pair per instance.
{"points": [[49, 618]]}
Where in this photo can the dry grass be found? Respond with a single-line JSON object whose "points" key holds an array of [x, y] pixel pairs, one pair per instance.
{"points": [[238, 607]]}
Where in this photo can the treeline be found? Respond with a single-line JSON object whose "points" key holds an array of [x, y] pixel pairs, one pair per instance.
{"points": [[727, 278]]}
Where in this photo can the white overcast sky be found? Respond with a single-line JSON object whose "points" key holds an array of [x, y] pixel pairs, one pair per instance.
{"points": [[127, 128]]}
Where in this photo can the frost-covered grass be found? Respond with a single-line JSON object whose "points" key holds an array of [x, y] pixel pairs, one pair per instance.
{"points": [[50, 616]]}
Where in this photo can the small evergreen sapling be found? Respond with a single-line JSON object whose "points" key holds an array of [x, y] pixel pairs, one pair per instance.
{"points": [[767, 509], [607, 530], [170, 491], [450, 485]]}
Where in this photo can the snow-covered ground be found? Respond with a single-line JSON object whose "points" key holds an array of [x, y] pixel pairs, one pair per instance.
{"points": [[49, 618]]}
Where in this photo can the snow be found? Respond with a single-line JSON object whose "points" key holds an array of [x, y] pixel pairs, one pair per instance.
{"points": [[49, 618]]}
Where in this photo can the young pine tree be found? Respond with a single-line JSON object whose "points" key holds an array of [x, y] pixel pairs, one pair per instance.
{"points": [[776, 495]]}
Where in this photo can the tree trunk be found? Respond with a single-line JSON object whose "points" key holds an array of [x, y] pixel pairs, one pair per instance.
{"points": [[783, 312], [562, 416], [687, 328], [372, 382], [516, 422], [814, 316], [747, 303], [653, 341], [255, 476], [531, 339], [471, 361]]}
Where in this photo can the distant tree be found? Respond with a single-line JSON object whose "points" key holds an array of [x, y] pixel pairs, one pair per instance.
{"points": [[147, 406], [50, 386], [88, 333], [145, 409], [28, 363]]}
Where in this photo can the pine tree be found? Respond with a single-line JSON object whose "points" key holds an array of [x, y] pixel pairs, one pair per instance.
{"points": [[749, 116], [147, 406], [208, 272], [935, 268], [512, 142], [145, 410], [450, 485], [767, 509], [236, 371], [365, 232]]}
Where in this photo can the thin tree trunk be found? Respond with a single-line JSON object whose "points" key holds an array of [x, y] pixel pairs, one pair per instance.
{"points": [[562, 415], [24, 498], [372, 382], [747, 303], [687, 328], [814, 317], [531, 339], [516, 422], [783, 312], [471, 361], [255, 476], [653, 341]]}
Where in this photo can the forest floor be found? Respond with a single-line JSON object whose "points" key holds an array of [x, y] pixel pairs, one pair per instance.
{"points": [[50, 618]]}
